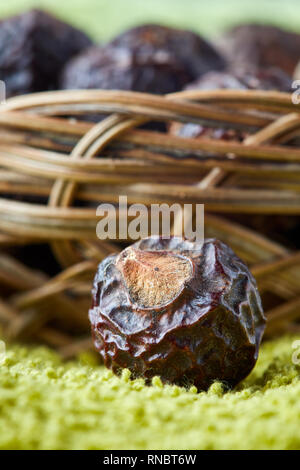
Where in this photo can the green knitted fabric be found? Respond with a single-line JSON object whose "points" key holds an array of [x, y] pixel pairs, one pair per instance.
{"points": [[47, 404]]}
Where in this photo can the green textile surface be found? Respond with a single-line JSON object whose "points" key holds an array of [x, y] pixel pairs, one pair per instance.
{"points": [[47, 404]]}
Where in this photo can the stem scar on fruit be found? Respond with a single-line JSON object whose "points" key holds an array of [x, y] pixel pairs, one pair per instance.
{"points": [[154, 278]]}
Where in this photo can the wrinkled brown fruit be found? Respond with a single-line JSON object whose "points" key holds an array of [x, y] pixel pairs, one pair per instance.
{"points": [[169, 307]]}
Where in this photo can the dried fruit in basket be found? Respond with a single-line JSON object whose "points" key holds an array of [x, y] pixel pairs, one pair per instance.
{"points": [[262, 46], [194, 53], [149, 58], [174, 308], [242, 78], [34, 48], [281, 228], [117, 68]]}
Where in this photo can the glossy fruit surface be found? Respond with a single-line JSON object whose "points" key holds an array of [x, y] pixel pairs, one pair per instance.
{"points": [[173, 308]]}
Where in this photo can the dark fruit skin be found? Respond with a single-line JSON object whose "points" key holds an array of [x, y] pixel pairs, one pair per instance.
{"points": [[190, 50], [34, 48], [242, 78], [174, 309], [121, 69], [150, 59], [261, 46]]}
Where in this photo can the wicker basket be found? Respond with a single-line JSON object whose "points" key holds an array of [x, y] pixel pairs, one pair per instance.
{"points": [[50, 184]]}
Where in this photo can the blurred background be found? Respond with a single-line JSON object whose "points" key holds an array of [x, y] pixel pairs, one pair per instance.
{"points": [[105, 18]]}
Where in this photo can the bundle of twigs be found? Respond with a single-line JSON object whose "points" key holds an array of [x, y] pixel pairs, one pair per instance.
{"points": [[54, 171]]}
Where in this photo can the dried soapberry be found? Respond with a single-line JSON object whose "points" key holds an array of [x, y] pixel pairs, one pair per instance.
{"points": [[241, 78], [261, 46], [152, 58], [245, 78], [191, 51], [34, 48], [173, 308], [118, 68]]}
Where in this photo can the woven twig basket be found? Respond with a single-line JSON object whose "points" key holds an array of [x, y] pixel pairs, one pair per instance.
{"points": [[50, 183]]}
